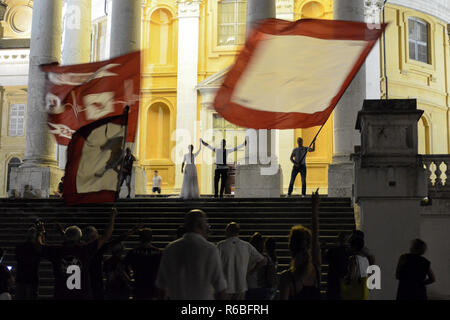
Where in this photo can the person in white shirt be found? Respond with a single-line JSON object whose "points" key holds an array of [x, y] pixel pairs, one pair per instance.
{"points": [[221, 171], [190, 267], [157, 180], [238, 257]]}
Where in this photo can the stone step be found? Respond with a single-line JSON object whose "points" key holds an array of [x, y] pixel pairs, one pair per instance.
{"points": [[270, 217]]}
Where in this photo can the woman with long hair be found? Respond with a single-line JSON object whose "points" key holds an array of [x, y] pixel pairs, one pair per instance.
{"points": [[302, 280]]}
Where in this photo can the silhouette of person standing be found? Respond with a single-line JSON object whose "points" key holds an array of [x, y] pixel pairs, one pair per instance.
{"points": [[298, 157], [221, 171]]}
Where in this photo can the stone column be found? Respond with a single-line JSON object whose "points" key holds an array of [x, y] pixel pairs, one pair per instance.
{"points": [[260, 176], [340, 172], [76, 44], [285, 11], [187, 78], [373, 62], [108, 28], [125, 27], [40, 167], [390, 181]]}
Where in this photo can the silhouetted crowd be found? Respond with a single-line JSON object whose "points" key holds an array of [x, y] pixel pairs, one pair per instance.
{"points": [[90, 266]]}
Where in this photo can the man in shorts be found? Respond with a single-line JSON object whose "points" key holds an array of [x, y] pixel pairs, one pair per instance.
{"points": [[157, 180]]}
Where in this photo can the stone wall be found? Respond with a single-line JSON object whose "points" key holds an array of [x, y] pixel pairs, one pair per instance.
{"points": [[434, 227]]}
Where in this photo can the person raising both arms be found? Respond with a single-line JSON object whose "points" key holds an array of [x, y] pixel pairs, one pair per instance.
{"points": [[221, 171]]}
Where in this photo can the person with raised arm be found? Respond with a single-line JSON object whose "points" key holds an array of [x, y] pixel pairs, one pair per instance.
{"points": [[71, 261], [298, 157], [221, 172], [189, 189]]}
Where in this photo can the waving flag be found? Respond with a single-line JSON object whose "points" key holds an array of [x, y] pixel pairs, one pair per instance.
{"points": [[292, 74], [94, 160], [85, 105], [79, 95]]}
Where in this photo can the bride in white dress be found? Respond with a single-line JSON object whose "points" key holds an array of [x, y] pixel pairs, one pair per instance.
{"points": [[189, 190]]}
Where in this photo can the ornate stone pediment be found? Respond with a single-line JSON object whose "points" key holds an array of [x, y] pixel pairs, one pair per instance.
{"points": [[210, 85], [214, 81], [188, 8]]}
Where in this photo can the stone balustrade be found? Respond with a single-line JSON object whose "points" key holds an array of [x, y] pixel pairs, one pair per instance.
{"points": [[437, 168]]}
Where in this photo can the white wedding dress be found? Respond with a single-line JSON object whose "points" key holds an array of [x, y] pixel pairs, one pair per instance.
{"points": [[189, 189]]}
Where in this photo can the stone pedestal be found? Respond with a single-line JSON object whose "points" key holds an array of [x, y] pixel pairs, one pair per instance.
{"points": [[138, 184], [250, 183], [340, 180], [389, 184], [43, 180]]}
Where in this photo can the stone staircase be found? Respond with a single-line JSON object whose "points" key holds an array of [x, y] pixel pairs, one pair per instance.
{"points": [[270, 217]]}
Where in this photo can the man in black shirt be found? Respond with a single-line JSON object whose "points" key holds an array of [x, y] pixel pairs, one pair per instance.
{"points": [[28, 259], [127, 170], [90, 234], [298, 157], [221, 172], [71, 261], [144, 262]]}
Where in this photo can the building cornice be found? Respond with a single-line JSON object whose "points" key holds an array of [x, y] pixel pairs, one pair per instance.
{"points": [[436, 8]]}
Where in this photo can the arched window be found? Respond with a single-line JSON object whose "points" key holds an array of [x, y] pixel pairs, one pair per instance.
{"points": [[161, 37], [158, 132], [418, 40], [231, 17], [13, 163]]}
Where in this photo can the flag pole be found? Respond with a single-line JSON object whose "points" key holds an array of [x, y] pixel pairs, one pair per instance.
{"points": [[125, 117], [314, 140]]}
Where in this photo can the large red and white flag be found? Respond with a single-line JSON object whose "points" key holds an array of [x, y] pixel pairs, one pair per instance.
{"points": [[292, 74], [79, 95], [85, 105], [94, 159]]}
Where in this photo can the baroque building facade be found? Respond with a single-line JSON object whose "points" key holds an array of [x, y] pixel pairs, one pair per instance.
{"points": [[187, 48]]}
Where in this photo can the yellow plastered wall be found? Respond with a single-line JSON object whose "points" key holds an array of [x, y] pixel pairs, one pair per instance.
{"points": [[426, 82], [11, 147], [158, 104], [316, 9]]}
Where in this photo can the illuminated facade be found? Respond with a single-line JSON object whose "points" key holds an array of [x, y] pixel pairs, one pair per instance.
{"points": [[187, 47]]}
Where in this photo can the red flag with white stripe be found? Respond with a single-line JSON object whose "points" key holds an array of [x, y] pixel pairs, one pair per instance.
{"points": [[292, 74], [79, 95]]}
